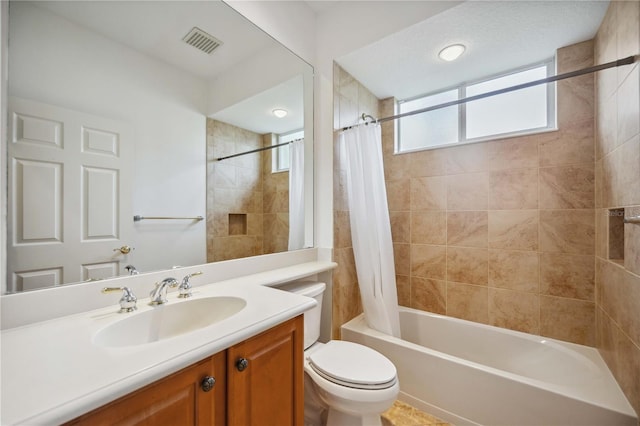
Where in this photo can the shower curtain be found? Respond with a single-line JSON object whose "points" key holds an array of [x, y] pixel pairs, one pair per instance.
{"points": [[371, 227], [296, 195]]}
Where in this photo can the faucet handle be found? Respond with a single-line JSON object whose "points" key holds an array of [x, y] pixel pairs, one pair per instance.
{"points": [[159, 294], [128, 299], [171, 282], [185, 286]]}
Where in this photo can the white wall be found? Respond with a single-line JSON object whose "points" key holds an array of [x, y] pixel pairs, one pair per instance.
{"points": [[292, 23], [4, 33], [57, 62]]}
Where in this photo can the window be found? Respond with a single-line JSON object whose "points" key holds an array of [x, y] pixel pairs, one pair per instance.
{"points": [[438, 127], [508, 114], [280, 157]]}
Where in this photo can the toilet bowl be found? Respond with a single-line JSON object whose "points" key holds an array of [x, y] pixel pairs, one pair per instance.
{"points": [[355, 383], [345, 383]]}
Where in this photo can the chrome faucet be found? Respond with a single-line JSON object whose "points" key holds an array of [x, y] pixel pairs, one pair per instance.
{"points": [[128, 299], [185, 285], [159, 294], [131, 270]]}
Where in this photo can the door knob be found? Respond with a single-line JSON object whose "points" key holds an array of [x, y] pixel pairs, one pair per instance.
{"points": [[207, 383], [124, 249], [242, 364]]}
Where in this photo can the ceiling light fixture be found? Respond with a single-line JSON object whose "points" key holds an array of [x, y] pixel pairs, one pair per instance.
{"points": [[451, 53], [280, 113]]}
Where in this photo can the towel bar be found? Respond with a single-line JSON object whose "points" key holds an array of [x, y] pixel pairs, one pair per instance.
{"points": [[138, 218]]}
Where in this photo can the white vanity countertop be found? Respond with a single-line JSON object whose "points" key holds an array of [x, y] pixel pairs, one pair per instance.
{"points": [[52, 372]]}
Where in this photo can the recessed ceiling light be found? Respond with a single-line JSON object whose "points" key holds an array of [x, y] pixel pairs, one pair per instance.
{"points": [[451, 53], [280, 113]]}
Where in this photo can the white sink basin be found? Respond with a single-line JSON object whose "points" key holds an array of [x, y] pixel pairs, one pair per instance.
{"points": [[167, 321]]}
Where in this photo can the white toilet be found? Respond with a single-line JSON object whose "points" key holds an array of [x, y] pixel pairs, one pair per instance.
{"points": [[345, 383]]}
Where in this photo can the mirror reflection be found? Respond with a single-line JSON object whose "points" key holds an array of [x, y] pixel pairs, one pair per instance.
{"points": [[125, 124]]}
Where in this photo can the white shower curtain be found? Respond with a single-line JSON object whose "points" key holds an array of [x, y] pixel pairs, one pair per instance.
{"points": [[371, 227], [296, 195]]}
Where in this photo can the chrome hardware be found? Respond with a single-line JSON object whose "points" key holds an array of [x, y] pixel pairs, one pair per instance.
{"points": [[242, 364], [159, 294], [124, 249], [131, 270], [138, 218], [207, 383], [185, 285], [364, 117], [257, 150], [128, 299], [632, 219]]}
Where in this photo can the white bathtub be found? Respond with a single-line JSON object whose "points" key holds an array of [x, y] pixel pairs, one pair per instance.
{"points": [[470, 373]]}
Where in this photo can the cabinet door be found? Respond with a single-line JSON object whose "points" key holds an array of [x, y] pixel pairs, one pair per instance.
{"points": [[269, 390], [175, 400]]}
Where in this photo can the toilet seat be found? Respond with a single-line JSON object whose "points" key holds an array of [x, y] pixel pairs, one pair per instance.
{"points": [[353, 365]]}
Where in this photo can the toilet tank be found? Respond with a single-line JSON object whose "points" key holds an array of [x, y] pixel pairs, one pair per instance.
{"points": [[312, 316]]}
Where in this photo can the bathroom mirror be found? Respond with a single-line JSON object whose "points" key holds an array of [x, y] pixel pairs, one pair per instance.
{"points": [[118, 115]]}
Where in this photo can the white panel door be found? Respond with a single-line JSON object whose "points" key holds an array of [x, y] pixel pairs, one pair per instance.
{"points": [[69, 196]]}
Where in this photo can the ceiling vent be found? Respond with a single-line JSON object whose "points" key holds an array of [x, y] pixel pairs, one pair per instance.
{"points": [[201, 40]]}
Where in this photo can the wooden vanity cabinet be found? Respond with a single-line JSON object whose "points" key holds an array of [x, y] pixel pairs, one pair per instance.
{"points": [[258, 382], [267, 389], [175, 400]]}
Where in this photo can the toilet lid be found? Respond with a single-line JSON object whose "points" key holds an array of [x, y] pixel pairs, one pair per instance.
{"points": [[353, 365]]}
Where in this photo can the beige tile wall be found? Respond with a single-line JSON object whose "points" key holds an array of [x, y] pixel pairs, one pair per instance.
{"points": [[618, 186], [499, 232], [351, 99], [244, 185], [502, 232], [506, 232], [233, 186]]}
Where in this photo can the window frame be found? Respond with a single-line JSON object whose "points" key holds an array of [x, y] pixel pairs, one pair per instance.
{"points": [[551, 126], [275, 156]]}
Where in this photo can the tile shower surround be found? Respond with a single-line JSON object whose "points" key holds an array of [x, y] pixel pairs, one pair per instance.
{"points": [[515, 232], [244, 186], [496, 232], [617, 187]]}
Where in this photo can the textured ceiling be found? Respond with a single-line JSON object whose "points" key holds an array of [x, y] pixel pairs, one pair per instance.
{"points": [[499, 35]]}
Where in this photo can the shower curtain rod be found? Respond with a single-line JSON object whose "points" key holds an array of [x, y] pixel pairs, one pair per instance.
{"points": [[258, 150], [626, 61]]}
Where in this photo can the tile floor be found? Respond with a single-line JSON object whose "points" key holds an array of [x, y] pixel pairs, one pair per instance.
{"points": [[402, 414]]}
